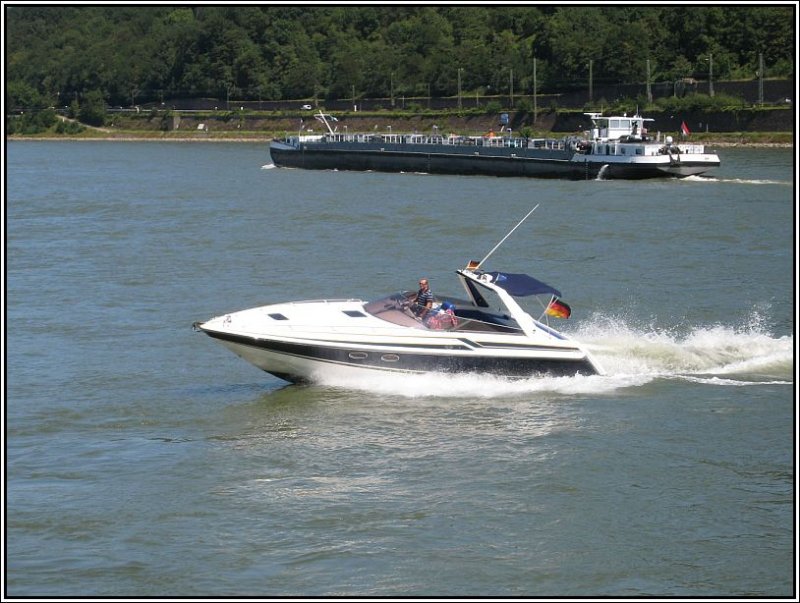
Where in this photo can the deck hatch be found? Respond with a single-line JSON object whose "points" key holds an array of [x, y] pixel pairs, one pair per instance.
{"points": [[278, 316]]}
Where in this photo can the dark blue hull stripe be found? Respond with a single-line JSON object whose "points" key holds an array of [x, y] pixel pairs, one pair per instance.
{"points": [[393, 361]]}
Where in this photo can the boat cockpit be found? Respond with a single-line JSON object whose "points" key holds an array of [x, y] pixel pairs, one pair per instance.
{"points": [[400, 309]]}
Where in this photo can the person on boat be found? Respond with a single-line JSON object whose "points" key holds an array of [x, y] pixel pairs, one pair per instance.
{"points": [[423, 301], [443, 317]]}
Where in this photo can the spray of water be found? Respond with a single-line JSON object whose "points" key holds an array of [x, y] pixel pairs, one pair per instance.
{"points": [[631, 355], [748, 351], [735, 180]]}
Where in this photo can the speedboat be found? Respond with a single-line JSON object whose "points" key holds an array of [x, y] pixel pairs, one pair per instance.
{"points": [[484, 330]]}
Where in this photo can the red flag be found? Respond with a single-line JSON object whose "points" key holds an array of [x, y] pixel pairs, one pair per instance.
{"points": [[558, 308], [685, 129]]}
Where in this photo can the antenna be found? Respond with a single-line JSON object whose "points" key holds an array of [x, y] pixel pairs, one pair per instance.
{"points": [[505, 237]]}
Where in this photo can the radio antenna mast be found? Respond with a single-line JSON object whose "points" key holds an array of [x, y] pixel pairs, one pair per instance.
{"points": [[505, 237]]}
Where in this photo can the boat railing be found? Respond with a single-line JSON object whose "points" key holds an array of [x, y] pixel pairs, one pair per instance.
{"points": [[547, 143], [325, 301], [422, 139], [504, 142], [349, 138], [697, 149]]}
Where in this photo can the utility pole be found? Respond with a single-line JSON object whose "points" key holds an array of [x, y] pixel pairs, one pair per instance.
{"points": [[459, 87], [649, 90], [760, 78], [710, 74], [591, 95], [534, 90], [511, 86]]}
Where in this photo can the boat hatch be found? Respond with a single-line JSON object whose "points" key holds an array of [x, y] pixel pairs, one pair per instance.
{"points": [[355, 314], [278, 316]]}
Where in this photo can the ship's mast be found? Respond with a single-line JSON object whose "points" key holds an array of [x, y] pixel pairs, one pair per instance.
{"points": [[323, 117]]}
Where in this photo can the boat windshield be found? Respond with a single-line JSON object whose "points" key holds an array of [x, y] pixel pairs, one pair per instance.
{"points": [[395, 308]]}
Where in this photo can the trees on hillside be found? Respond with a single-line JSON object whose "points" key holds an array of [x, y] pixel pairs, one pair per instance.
{"points": [[132, 54]]}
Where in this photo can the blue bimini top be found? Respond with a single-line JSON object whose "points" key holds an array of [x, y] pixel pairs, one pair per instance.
{"points": [[520, 285]]}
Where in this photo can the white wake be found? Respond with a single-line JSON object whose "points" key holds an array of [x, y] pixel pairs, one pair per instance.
{"points": [[631, 356], [736, 180]]}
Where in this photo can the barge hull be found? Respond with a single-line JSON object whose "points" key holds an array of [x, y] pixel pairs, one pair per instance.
{"points": [[433, 163]]}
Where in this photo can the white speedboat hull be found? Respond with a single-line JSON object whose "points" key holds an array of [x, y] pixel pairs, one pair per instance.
{"points": [[307, 341]]}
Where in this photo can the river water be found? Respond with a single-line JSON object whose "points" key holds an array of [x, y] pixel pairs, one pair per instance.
{"points": [[145, 460]]}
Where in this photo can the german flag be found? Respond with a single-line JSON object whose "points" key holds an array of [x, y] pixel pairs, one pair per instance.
{"points": [[558, 308]]}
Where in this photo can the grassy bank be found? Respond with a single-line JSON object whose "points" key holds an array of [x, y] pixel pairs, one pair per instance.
{"points": [[730, 139], [210, 128]]}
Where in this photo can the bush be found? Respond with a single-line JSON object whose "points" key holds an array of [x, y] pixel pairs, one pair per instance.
{"points": [[92, 110], [699, 102], [524, 104], [34, 122], [69, 128]]}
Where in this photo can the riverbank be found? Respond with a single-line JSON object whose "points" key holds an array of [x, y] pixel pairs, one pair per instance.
{"points": [[261, 128]]}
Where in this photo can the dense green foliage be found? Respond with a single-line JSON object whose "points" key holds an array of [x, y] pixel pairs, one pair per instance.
{"points": [[135, 54]]}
